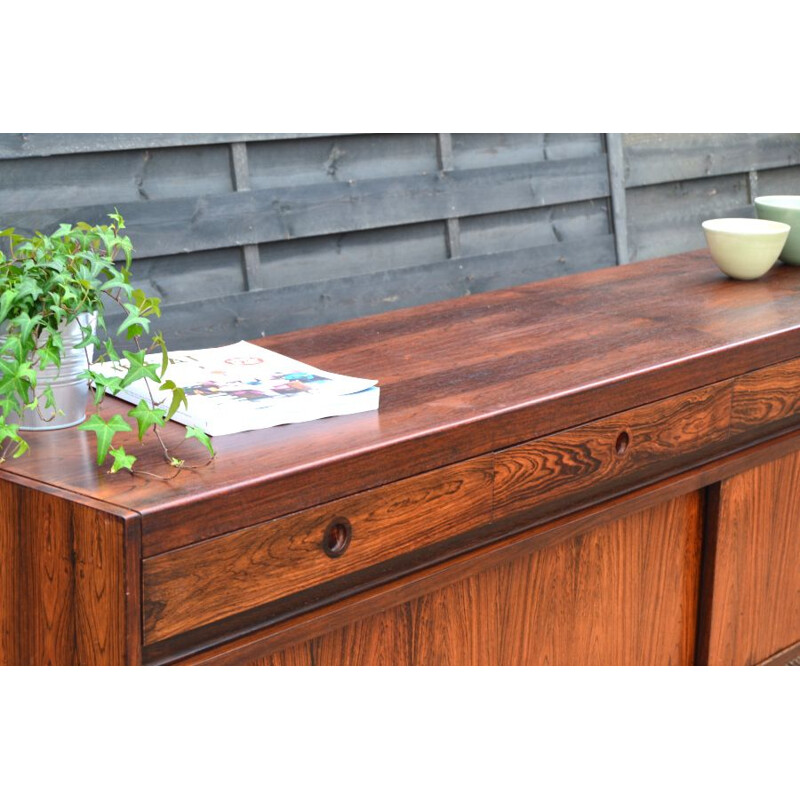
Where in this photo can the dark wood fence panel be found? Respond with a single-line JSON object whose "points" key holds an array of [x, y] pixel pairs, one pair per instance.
{"points": [[675, 181], [350, 254], [192, 276], [187, 224], [72, 183], [336, 159], [16, 145], [249, 234], [666, 218], [779, 181], [665, 157], [259, 312], [482, 150]]}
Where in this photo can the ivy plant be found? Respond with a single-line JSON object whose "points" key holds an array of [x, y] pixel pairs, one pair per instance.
{"points": [[48, 282]]}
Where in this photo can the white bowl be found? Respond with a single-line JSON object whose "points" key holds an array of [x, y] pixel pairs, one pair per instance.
{"points": [[745, 248]]}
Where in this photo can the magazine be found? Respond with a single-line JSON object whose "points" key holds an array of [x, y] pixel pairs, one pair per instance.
{"points": [[244, 387]]}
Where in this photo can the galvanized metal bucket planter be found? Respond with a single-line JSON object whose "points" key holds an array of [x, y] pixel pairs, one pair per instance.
{"points": [[71, 393]]}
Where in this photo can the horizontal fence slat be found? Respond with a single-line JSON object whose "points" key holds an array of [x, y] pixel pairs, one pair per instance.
{"points": [[481, 150], [208, 222], [334, 159], [666, 218], [652, 158], [23, 145], [93, 179], [533, 227], [187, 277], [252, 314], [351, 253], [365, 252], [779, 181]]}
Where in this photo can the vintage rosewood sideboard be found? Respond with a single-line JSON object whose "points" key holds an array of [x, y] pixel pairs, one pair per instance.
{"points": [[598, 469]]}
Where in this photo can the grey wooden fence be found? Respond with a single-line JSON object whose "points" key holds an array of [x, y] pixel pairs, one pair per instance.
{"points": [[675, 181], [247, 234]]}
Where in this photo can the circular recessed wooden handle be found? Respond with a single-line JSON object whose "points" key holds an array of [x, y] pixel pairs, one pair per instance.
{"points": [[621, 445], [337, 537]]}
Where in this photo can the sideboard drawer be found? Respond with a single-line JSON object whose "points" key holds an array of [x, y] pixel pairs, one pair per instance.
{"points": [[767, 399], [590, 460], [196, 585]]}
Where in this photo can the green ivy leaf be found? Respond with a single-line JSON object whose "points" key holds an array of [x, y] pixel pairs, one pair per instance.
{"points": [[50, 399], [89, 337], [121, 460], [117, 281], [158, 340], [25, 324], [134, 323], [6, 299], [146, 305], [138, 368], [111, 351], [16, 377], [10, 432], [146, 417], [105, 432], [117, 217], [178, 397], [50, 352], [103, 384], [201, 436], [64, 229]]}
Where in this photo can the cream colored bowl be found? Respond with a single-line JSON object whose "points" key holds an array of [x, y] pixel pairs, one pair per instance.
{"points": [[745, 248]]}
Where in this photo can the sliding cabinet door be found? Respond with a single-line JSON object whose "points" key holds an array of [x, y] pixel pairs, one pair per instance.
{"points": [[624, 592]]}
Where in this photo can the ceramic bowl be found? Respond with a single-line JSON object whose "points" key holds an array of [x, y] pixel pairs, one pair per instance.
{"points": [[745, 248], [783, 208]]}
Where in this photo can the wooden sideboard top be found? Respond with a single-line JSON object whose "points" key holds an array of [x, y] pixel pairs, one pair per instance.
{"points": [[458, 378]]}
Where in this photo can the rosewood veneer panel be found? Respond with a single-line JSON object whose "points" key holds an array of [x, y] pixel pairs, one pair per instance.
{"points": [[459, 379], [595, 458], [205, 582], [613, 595], [767, 399], [68, 582], [754, 591]]}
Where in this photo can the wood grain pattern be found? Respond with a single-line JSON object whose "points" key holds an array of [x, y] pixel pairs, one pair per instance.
{"points": [[665, 157], [594, 458], [309, 623], [766, 399], [48, 579], [10, 565], [183, 224], [613, 595], [19, 145], [197, 585], [790, 657], [61, 582], [755, 607], [198, 319], [459, 379]]}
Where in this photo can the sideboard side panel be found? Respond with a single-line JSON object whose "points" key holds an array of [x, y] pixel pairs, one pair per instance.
{"points": [[63, 596], [755, 607], [10, 575]]}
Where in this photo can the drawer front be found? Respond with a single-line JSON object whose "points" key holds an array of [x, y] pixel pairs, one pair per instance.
{"points": [[196, 585], [767, 399], [594, 459]]}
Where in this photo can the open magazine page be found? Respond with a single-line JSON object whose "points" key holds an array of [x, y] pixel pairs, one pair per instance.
{"points": [[243, 387]]}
